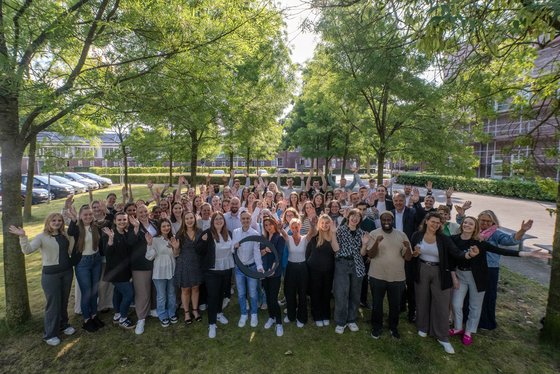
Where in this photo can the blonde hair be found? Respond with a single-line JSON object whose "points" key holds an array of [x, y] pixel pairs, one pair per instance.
{"points": [[492, 216], [323, 236], [47, 228]]}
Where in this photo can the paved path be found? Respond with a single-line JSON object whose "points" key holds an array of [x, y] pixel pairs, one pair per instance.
{"points": [[511, 212]]}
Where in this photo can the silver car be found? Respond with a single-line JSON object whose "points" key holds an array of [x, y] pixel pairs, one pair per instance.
{"points": [[78, 186]]}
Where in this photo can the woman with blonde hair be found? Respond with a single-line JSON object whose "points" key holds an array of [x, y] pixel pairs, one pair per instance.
{"points": [[319, 256], [56, 274]]}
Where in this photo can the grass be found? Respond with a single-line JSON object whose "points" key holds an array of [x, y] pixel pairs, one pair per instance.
{"points": [[512, 348]]}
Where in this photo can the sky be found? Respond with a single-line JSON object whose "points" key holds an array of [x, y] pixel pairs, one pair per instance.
{"points": [[302, 43]]}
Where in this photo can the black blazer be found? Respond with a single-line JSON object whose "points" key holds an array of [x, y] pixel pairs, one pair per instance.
{"points": [[410, 222], [74, 231], [447, 250]]}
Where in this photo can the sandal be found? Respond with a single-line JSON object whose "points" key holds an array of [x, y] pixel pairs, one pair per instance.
{"points": [[188, 320], [453, 332], [197, 317]]}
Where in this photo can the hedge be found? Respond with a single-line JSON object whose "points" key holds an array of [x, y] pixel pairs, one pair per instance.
{"points": [[179, 169], [543, 189]]}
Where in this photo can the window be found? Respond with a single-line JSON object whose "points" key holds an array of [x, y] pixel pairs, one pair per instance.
{"points": [[279, 161], [307, 163]]}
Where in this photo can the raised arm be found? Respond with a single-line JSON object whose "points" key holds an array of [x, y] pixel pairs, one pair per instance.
{"points": [[331, 181], [354, 182], [308, 181], [323, 179]]}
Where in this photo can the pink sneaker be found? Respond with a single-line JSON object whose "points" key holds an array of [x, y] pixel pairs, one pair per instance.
{"points": [[452, 332], [467, 339]]}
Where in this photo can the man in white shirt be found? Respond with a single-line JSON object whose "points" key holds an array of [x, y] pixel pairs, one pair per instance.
{"points": [[250, 255], [232, 217]]}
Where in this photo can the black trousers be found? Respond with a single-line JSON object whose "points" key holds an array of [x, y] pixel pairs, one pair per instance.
{"points": [[409, 296], [365, 286], [295, 290], [320, 290], [394, 292], [216, 282], [271, 287]]}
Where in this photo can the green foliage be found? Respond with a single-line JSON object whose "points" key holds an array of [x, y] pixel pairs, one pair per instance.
{"points": [[539, 190], [179, 169], [199, 179]]}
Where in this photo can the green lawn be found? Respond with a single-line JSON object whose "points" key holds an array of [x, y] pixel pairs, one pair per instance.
{"points": [[512, 348]]}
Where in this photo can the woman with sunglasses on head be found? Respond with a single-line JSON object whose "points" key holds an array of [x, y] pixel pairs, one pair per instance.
{"points": [[215, 248], [188, 275], [56, 274], [87, 259], [472, 276], [117, 272]]}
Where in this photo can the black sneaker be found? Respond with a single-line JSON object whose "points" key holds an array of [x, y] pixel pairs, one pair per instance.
{"points": [[174, 320], [90, 326], [127, 324], [395, 334], [99, 323], [165, 322], [375, 333]]}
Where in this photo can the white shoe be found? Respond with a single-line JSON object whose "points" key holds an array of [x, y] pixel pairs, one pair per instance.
{"points": [[212, 331], [353, 327], [139, 330], [254, 320], [242, 320], [225, 303], [202, 307], [319, 323], [222, 319], [269, 323], [282, 302], [279, 330], [422, 334], [53, 341], [447, 347], [326, 322], [286, 319], [153, 313], [299, 324], [69, 330], [339, 329], [264, 306]]}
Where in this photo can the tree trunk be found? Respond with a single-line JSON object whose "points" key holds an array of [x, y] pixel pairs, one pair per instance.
{"points": [[248, 160], [194, 157], [15, 280], [344, 158], [551, 331], [30, 173], [125, 164], [170, 169], [380, 163], [230, 161]]}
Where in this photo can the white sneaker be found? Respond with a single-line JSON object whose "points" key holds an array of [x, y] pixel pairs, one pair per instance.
{"points": [[286, 319], [264, 306], [202, 307], [279, 330], [299, 324], [69, 330], [153, 313], [53, 341], [242, 320], [212, 331], [139, 330], [116, 318], [254, 320], [339, 329], [447, 347], [269, 323], [222, 319], [319, 323], [353, 327], [422, 334], [326, 322], [225, 303]]}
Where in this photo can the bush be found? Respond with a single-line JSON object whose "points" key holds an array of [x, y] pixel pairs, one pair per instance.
{"points": [[540, 190], [179, 169]]}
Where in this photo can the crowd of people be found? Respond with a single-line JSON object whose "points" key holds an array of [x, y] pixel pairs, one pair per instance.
{"points": [[179, 250]]}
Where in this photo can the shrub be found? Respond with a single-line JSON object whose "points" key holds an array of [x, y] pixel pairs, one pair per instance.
{"points": [[545, 189]]}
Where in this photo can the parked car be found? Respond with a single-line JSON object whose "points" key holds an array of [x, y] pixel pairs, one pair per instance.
{"points": [[78, 178], [39, 195], [262, 172], [282, 171], [103, 182], [218, 171], [58, 189], [78, 187]]}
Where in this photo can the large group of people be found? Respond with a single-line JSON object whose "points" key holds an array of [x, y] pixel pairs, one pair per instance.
{"points": [[185, 248]]}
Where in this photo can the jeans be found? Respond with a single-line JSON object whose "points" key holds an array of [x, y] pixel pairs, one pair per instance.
{"points": [[166, 300], [347, 287], [242, 281], [394, 292], [467, 284], [123, 295], [57, 291], [88, 274]]}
